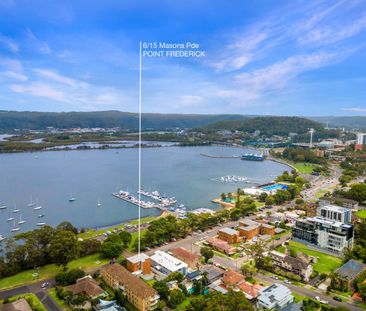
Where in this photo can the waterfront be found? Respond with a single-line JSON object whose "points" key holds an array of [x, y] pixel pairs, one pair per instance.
{"points": [[52, 178]]}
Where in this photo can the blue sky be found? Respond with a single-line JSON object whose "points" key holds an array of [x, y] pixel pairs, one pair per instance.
{"points": [[268, 57]]}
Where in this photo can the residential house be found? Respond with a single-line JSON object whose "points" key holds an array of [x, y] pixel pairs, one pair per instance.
{"points": [[297, 266], [191, 259], [212, 273], [138, 293], [274, 297], [221, 246], [87, 286], [350, 270], [18, 305], [110, 305]]}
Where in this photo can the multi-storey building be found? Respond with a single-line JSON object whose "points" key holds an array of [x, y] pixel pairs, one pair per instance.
{"points": [[274, 297], [166, 264], [335, 213], [360, 141], [333, 236], [229, 235], [138, 264], [138, 293]]}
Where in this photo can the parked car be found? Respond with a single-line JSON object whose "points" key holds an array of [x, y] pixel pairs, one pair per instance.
{"points": [[337, 299], [44, 285]]}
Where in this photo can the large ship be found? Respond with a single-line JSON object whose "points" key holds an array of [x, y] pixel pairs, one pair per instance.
{"points": [[253, 156]]}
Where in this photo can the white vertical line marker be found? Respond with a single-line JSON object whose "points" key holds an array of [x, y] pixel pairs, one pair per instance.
{"points": [[140, 129]]}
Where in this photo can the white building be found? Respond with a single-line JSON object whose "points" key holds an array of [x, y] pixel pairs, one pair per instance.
{"points": [[274, 297], [335, 212], [166, 264], [360, 141]]}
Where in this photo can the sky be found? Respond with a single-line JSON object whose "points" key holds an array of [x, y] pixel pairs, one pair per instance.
{"points": [[265, 57]]}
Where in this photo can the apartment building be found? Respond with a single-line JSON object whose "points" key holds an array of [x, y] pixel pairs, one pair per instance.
{"points": [[335, 213], [330, 235], [229, 235], [191, 259], [139, 264], [166, 264], [138, 293], [274, 297]]}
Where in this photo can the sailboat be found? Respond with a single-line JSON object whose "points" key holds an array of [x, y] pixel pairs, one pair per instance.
{"points": [[71, 199], [99, 204], [2, 206], [10, 218], [39, 224], [31, 203], [15, 229], [40, 215], [21, 221], [16, 210], [38, 207]]}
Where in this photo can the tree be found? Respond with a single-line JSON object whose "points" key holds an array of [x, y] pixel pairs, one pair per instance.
{"points": [[207, 253], [67, 226], [64, 247], [270, 200], [126, 237], [69, 277], [176, 297], [111, 249], [162, 288], [247, 270], [89, 246]]}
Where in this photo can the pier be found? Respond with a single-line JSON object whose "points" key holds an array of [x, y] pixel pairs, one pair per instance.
{"points": [[219, 157]]}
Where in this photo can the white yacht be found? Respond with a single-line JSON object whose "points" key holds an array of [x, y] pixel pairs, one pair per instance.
{"points": [[2, 238], [21, 221], [31, 203], [40, 224], [37, 208], [99, 204], [2, 206], [15, 229]]}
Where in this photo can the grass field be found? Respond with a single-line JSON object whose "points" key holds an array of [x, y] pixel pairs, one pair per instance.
{"points": [[49, 271], [361, 214], [92, 232], [304, 168], [325, 263]]}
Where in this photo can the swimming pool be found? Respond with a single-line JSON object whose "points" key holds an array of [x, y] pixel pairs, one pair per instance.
{"points": [[275, 187]]}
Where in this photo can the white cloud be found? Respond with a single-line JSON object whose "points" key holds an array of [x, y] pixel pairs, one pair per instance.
{"points": [[9, 43], [42, 46], [39, 89], [15, 75], [49, 74]]}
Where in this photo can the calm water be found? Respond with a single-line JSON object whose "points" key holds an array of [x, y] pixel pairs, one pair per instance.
{"points": [[51, 178]]}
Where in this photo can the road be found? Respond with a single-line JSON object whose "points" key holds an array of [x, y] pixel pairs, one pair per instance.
{"points": [[35, 288]]}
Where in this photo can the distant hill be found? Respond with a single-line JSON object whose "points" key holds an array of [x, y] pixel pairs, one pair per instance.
{"points": [[347, 122], [270, 125], [10, 120]]}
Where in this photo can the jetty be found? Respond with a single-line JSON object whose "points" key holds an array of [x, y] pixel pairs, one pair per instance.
{"points": [[219, 157]]}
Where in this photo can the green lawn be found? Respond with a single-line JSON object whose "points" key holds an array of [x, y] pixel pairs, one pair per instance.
{"points": [[48, 271], [325, 263], [297, 298], [361, 214], [304, 168], [92, 232]]}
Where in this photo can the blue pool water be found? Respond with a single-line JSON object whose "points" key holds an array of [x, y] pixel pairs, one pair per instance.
{"points": [[275, 187]]}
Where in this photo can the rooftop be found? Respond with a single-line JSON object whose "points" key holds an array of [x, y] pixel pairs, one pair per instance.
{"points": [[250, 290], [18, 305], [220, 244], [138, 258], [86, 285], [351, 269], [184, 254], [247, 222], [135, 284], [168, 261], [232, 278], [274, 293], [327, 222], [229, 231], [334, 208]]}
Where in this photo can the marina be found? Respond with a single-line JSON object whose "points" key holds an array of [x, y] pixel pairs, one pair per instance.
{"points": [[91, 176]]}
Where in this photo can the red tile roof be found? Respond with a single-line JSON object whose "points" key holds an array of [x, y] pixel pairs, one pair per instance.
{"points": [[86, 285], [184, 255], [251, 290], [232, 278]]}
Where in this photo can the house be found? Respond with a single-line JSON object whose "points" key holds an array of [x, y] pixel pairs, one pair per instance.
{"points": [[231, 278], [251, 291], [108, 306], [274, 297], [138, 293], [294, 265], [350, 270], [18, 305], [138, 264], [87, 286], [212, 273], [221, 246], [191, 259], [229, 235], [166, 264]]}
